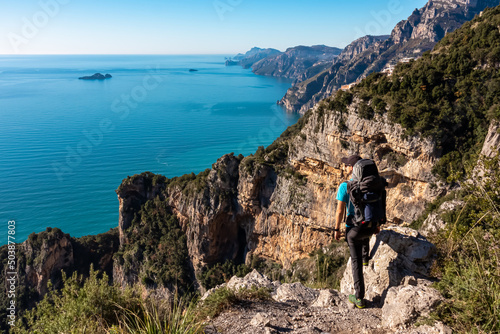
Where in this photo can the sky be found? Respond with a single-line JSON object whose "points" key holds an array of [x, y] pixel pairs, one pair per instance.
{"points": [[190, 26]]}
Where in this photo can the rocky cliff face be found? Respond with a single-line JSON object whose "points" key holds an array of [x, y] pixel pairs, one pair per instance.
{"points": [[359, 46], [252, 56], [410, 38], [295, 62], [41, 258], [284, 210]]}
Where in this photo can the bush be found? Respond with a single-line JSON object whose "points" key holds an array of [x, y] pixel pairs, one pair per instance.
{"points": [[469, 258], [176, 317], [88, 306], [156, 248]]}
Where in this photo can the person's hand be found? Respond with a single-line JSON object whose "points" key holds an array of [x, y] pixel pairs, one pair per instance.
{"points": [[337, 235]]}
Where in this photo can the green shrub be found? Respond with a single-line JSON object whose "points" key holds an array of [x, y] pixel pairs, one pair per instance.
{"points": [[469, 258], [156, 248], [176, 317], [88, 306]]}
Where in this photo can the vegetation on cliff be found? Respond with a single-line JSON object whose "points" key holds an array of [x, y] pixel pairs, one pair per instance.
{"points": [[156, 250], [93, 305], [468, 263], [37, 263], [450, 94]]}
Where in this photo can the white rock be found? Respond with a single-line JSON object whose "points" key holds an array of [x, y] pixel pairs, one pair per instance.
{"points": [[253, 279], [295, 292], [327, 298], [260, 320], [403, 304], [438, 328], [397, 252], [434, 223]]}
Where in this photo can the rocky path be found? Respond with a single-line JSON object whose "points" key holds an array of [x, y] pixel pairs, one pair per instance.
{"points": [[295, 317], [399, 296]]}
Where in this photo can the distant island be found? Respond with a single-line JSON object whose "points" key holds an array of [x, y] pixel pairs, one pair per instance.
{"points": [[97, 76], [193, 70]]}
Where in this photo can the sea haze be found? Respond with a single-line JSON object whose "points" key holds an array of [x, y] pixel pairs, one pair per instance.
{"points": [[66, 144]]}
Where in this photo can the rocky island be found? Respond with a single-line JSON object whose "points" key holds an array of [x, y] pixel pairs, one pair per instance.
{"points": [[96, 76]]}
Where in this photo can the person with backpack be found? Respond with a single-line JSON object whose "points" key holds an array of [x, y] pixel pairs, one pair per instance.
{"points": [[364, 197]]}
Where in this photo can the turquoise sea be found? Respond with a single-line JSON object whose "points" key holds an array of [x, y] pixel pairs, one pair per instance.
{"points": [[66, 144]]}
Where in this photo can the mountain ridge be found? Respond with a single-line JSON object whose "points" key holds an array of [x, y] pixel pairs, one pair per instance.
{"points": [[410, 38], [277, 203]]}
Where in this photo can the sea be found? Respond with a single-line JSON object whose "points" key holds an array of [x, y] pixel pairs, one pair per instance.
{"points": [[66, 144]]}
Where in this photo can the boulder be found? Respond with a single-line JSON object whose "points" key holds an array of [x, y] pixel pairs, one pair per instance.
{"points": [[438, 328], [253, 279], [295, 292], [397, 252], [260, 320], [327, 298], [404, 304]]}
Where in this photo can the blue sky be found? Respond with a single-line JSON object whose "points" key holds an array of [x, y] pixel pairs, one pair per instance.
{"points": [[190, 26]]}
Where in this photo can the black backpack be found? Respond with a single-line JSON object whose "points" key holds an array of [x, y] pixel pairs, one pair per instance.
{"points": [[368, 195]]}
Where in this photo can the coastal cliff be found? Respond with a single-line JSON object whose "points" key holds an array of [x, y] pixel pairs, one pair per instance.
{"points": [[409, 39], [425, 127], [279, 203], [297, 62], [250, 57]]}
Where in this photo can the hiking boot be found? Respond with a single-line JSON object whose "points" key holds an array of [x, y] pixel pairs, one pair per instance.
{"points": [[359, 303], [366, 260]]}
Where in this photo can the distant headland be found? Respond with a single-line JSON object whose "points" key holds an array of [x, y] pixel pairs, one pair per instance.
{"points": [[97, 76]]}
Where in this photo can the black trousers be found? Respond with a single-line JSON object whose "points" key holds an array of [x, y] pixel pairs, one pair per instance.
{"points": [[358, 239]]}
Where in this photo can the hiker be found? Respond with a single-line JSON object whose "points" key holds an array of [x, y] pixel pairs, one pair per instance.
{"points": [[358, 229]]}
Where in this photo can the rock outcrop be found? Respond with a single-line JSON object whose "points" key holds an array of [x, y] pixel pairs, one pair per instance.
{"points": [[297, 62], [48, 257], [409, 39], [96, 76], [399, 256], [139, 190], [433, 223], [252, 56], [491, 144], [43, 257], [404, 304]]}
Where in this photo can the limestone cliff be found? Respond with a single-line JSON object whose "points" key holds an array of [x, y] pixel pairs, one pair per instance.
{"points": [[297, 62], [252, 56], [409, 39], [279, 203], [43, 257]]}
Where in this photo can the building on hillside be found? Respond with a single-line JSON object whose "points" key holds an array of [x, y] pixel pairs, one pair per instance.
{"points": [[348, 86], [388, 69]]}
